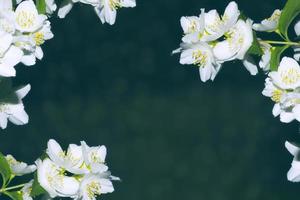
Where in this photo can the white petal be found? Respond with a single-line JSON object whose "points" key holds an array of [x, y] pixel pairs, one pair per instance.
{"points": [[293, 149], [286, 117], [21, 93], [250, 65], [294, 173], [297, 28], [65, 8]]}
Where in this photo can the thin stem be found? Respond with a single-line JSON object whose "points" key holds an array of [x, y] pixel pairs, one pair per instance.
{"points": [[282, 42], [11, 188]]}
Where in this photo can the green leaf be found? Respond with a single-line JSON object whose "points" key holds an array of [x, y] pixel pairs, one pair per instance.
{"points": [[275, 56], [288, 14], [37, 189], [14, 195], [41, 6], [5, 170], [255, 48]]}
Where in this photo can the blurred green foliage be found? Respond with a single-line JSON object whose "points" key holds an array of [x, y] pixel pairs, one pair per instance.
{"points": [[169, 136]]}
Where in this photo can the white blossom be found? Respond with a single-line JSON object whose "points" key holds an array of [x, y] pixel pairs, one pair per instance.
{"points": [[19, 168], [51, 177], [14, 112], [27, 18], [72, 160], [269, 24], [238, 41], [105, 9], [201, 55], [94, 157], [94, 185]]}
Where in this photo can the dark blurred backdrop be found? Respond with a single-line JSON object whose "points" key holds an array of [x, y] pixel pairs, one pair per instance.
{"points": [[169, 136]]}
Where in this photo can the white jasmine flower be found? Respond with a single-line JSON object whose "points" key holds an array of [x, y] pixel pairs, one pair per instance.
{"points": [[216, 26], [193, 28], [14, 112], [93, 186], [269, 24], [9, 55], [282, 100], [275, 93], [264, 63], [31, 44], [294, 172], [19, 168], [94, 158], [26, 190], [51, 177], [200, 54], [107, 10], [288, 74], [238, 41], [27, 18], [72, 160]]}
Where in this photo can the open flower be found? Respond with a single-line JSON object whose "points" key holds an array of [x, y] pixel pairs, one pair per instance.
{"points": [[193, 27], [105, 9], [269, 24], [19, 168], [10, 55], [72, 160], [94, 158], [216, 26], [200, 54], [94, 185], [238, 41], [294, 172], [288, 74], [27, 18], [51, 177], [14, 112]]}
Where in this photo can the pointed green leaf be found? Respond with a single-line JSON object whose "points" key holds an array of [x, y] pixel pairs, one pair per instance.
{"points": [[288, 14], [275, 56], [37, 189], [5, 170], [15, 195], [41, 6]]}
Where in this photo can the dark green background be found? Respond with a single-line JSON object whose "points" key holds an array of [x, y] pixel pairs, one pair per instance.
{"points": [[169, 136]]}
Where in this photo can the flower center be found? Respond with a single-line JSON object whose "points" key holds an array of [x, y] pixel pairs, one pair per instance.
{"points": [[39, 38], [276, 95], [25, 19], [93, 189], [200, 58], [114, 4], [290, 76]]}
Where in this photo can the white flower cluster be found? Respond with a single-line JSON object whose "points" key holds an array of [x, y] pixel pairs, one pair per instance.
{"points": [[283, 87], [105, 9], [22, 32], [79, 173], [210, 40]]}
